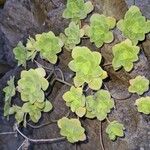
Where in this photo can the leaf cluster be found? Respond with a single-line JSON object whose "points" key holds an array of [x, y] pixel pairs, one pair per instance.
{"points": [[83, 63], [72, 36], [99, 29], [71, 129], [125, 53], [143, 105], [134, 26], [139, 85], [99, 105], [75, 100], [115, 129], [77, 9], [9, 91], [32, 93]]}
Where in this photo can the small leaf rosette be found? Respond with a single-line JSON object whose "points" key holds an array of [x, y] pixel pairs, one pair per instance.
{"points": [[134, 26], [99, 29], [75, 100], [9, 91], [124, 55], [115, 129], [143, 105], [99, 105], [139, 85], [20, 53], [83, 63], [71, 129], [77, 9], [30, 89], [72, 36]]}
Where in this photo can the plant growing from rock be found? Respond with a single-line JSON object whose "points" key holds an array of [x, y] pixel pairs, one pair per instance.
{"points": [[77, 9], [83, 63], [125, 54], [71, 129], [72, 36], [9, 91], [76, 101], [99, 105], [139, 85], [115, 129], [88, 73], [99, 29], [143, 105], [134, 26]]}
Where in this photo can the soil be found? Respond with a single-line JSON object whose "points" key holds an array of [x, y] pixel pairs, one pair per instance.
{"points": [[20, 19]]}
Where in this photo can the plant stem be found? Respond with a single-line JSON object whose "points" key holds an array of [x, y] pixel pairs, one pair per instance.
{"points": [[108, 120], [62, 81], [101, 136], [5, 133], [39, 140]]}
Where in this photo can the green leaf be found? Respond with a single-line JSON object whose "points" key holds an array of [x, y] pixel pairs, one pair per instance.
{"points": [[139, 85], [73, 34], [99, 29], [77, 9], [9, 93], [143, 105], [20, 53], [48, 106], [134, 26], [115, 129], [99, 104], [124, 55], [71, 129], [19, 114], [75, 100], [32, 85], [83, 63], [48, 45]]}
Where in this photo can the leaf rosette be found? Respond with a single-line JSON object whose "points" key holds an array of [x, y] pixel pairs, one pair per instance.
{"points": [[72, 36], [32, 84], [48, 45], [134, 26], [99, 105], [99, 29], [139, 85], [143, 105], [71, 129], [83, 63], [20, 53], [9, 91], [124, 55], [77, 9], [115, 129], [75, 100]]}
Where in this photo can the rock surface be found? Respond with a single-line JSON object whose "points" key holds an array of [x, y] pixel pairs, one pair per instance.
{"points": [[21, 18]]}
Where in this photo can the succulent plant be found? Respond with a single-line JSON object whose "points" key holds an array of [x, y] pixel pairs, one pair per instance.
{"points": [[99, 29], [48, 45], [75, 100], [115, 129], [134, 26], [71, 129], [124, 55], [139, 85], [30, 89], [72, 35], [77, 9], [9, 91], [143, 105], [83, 63], [20, 53], [99, 105]]}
